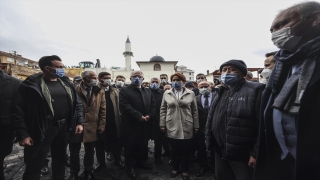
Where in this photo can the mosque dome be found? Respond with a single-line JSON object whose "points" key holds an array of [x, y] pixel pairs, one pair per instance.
{"points": [[157, 59]]}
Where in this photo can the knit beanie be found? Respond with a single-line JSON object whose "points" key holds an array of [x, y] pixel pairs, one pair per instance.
{"points": [[239, 64]]}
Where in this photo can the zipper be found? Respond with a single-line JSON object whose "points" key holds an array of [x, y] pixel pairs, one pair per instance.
{"points": [[226, 120]]}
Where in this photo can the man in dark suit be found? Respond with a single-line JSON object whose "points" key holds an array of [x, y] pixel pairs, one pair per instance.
{"points": [[204, 100], [8, 89], [137, 108]]}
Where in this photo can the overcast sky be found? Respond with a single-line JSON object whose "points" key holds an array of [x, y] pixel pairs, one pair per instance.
{"points": [[199, 34]]}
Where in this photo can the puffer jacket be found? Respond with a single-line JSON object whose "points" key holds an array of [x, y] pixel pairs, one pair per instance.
{"points": [[242, 118]]}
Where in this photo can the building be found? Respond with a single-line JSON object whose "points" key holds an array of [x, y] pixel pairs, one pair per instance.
{"points": [[152, 68], [217, 74], [156, 66], [188, 73], [17, 65]]}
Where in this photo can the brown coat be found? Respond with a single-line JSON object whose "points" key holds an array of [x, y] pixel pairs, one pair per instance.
{"points": [[94, 114]]}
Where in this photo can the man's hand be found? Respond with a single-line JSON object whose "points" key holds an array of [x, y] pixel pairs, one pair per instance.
{"points": [[100, 131], [163, 129], [143, 119], [147, 117], [196, 130], [79, 129], [252, 162], [26, 142]]}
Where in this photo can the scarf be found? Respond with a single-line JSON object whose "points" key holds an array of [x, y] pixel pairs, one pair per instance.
{"points": [[291, 90]]}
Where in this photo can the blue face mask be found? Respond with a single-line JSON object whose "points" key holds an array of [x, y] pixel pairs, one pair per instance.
{"points": [[59, 72], [229, 79], [136, 81], [176, 85], [154, 86]]}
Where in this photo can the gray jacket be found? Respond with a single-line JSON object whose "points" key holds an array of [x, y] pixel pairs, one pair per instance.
{"points": [[180, 117]]}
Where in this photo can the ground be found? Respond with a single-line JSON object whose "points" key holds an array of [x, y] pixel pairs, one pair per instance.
{"points": [[15, 169]]}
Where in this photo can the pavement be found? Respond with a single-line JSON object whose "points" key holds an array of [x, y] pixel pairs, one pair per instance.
{"points": [[15, 168]]}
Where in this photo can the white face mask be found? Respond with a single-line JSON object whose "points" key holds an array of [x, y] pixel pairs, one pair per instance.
{"points": [[199, 80], [263, 81], [283, 38], [266, 73], [93, 82], [120, 83], [106, 82], [163, 81], [204, 91]]}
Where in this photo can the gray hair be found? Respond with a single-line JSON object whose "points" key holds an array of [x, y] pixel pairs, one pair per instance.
{"points": [[137, 72], [304, 9], [86, 73], [249, 74], [156, 79]]}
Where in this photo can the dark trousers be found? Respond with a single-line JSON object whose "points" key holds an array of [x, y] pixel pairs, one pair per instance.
{"points": [[35, 155], [6, 139], [75, 159], [135, 152], [180, 150], [160, 141], [201, 149], [102, 145], [232, 170]]}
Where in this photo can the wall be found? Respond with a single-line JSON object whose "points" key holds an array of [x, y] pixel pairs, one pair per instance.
{"points": [[149, 66]]}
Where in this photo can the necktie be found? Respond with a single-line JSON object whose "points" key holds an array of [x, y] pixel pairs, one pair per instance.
{"points": [[88, 95], [206, 102]]}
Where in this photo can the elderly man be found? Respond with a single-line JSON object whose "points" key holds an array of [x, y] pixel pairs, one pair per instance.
{"points": [[203, 103], [110, 138], [233, 123], [289, 133], [268, 66], [158, 136], [46, 108], [137, 109], [94, 112]]}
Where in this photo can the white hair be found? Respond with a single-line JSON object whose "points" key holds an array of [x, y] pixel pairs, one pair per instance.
{"points": [[86, 73], [156, 79], [137, 72]]}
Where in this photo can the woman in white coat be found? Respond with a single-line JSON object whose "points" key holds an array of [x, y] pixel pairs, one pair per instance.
{"points": [[179, 119]]}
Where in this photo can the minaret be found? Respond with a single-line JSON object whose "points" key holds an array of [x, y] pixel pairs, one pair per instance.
{"points": [[127, 54]]}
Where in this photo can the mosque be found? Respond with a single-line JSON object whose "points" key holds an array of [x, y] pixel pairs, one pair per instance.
{"points": [[152, 68]]}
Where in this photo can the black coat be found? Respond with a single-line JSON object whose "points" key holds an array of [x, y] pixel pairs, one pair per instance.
{"points": [[29, 113], [203, 114], [242, 119], [8, 90], [308, 134], [156, 132], [134, 104]]}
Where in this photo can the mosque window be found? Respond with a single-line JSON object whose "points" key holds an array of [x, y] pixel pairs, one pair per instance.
{"points": [[157, 67]]}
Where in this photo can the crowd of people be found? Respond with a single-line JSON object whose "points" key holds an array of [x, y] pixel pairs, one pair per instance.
{"points": [[265, 130]]}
